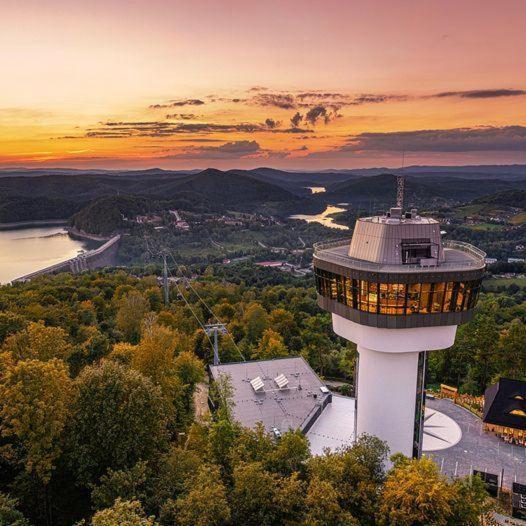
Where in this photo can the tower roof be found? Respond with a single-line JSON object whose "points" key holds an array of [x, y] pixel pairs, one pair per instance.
{"points": [[382, 239]]}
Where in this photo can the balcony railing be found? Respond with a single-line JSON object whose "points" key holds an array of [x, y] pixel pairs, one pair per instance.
{"points": [[474, 258]]}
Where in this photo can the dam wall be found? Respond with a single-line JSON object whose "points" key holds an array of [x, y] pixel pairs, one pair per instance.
{"points": [[103, 256]]}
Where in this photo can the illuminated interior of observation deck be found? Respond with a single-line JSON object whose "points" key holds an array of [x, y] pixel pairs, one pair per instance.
{"points": [[398, 298], [395, 266]]}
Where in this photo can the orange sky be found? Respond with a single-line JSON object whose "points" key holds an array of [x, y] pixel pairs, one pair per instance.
{"points": [[180, 84]]}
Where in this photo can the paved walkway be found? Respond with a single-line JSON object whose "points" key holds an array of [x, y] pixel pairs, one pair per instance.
{"points": [[477, 449], [201, 402]]}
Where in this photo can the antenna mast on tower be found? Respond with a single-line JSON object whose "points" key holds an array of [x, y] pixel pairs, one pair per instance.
{"points": [[400, 183]]}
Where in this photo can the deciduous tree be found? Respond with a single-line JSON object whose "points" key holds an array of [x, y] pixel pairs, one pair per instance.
{"points": [[205, 504], [123, 513], [38, 342], [35, 404], [119, 419], [131, 309], [270, 346]]}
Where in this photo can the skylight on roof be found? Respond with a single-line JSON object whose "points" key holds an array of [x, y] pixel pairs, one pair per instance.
{"points": [[257, 383], [281, 381]]}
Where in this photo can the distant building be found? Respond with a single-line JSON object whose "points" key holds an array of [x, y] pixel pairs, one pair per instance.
{"points": [[149, 219], [505, 410], [516, 260], [490, 261], [182, 225], [286, 394], [270, 263]]}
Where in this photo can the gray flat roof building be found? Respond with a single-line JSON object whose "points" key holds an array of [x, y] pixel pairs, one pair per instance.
{"points": [[286, 394]]}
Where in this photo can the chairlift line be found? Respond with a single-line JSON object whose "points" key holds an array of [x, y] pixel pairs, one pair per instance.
{"points": [[163, 252], [191, 310], [188, 282]]}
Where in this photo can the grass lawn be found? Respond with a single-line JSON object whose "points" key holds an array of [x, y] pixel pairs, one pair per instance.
{"points": [[492, 284], [484, 227], [518, 219], [468, 210]]}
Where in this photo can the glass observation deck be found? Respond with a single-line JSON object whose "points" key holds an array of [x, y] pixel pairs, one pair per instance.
{"points": [[436, 291]]}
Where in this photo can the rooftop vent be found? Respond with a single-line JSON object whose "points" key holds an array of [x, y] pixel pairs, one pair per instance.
{"points": [[282, 381], [324, 389], [396, 212], [257, 383]]}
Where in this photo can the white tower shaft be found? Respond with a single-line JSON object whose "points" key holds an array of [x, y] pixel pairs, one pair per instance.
{"points": [[387, 377], [386, 397]]}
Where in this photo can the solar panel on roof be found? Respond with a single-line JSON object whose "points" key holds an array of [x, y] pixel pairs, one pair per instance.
{"points": [[281, 380], [257, 383]]}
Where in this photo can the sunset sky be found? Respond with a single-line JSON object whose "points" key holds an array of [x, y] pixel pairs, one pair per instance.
{"points": [[290, 84]]}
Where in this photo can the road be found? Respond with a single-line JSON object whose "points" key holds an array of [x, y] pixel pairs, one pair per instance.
{"points": [[477, 449]]}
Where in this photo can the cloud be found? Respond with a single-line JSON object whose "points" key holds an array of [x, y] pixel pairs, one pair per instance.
{"points": [[296, 119], [321, 112], [197, 139], [271, 124], [160, 129], [377, 98], [235, 100], [284, 101], [320, 95], [228, 150], [315, 113], [177, 104], [478, 139], [483, 93], [182, 116], [123, 129], [294, 130]]}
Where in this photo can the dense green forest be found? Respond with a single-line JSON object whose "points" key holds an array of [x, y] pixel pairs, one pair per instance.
{"points": [[97, 424], [58, 195]]}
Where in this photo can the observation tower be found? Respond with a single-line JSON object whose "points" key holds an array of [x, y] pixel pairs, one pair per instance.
{"points": [[397, 290]]}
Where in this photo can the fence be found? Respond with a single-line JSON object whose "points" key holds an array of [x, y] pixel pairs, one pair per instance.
{"points": [[474, 404]]}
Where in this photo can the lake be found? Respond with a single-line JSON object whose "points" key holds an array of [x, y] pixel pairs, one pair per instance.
{"points": [[25, 250], [323, 218], [316, 189]]}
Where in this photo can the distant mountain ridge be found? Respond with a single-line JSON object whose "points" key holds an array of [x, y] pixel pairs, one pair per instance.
{"points": [[60, 196], [418, 190], [267, 190], [478, 171]]}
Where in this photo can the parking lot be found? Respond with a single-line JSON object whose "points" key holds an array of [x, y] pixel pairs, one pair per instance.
{"points": [[477, 449]]}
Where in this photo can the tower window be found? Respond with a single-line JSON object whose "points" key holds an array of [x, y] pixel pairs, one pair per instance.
{"points": [[413, 250]]}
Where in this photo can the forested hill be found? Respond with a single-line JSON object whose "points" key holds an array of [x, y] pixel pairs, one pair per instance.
{"points": [[418, 190], [226, 187], [108, 214], [60, 196], [516, 198]]}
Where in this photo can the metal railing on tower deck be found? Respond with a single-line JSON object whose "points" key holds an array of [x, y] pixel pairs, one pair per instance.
{"points": [[473, 258]]}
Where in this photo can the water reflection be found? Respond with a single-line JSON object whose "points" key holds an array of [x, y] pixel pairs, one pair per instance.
{"points": [[316, 189], [323, 218], [26, 250]]}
